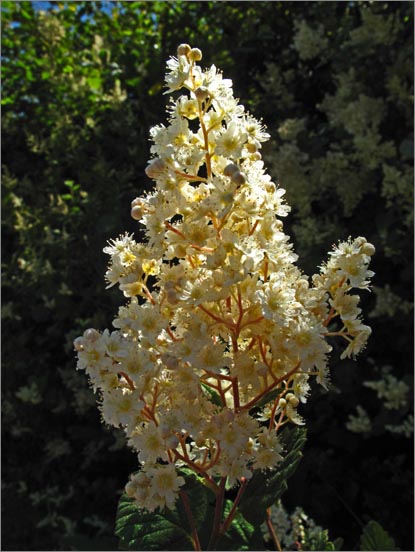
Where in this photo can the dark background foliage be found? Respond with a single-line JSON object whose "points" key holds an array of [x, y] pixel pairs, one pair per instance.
{"points": [[82, 85]]}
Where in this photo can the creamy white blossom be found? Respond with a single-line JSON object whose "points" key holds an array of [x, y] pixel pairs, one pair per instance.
{"points": [[218, 317]]}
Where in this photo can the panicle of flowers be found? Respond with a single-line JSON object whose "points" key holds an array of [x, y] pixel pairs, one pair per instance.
{"points": [[213, 351]]}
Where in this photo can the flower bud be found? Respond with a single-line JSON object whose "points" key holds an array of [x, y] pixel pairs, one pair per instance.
{"points": [[183, 50], [282, 403], [78, 344], [238, 178], [91, 335], [195, 54], [131, 489], [155, 168], [292, 399], [230, 169], [256, 156], [368, 249], [360, 241], [136, 212], [202, 93]]}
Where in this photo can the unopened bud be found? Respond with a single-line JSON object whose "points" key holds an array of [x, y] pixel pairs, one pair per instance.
{"points": [[238, 178], [136, 212], [91, 335], [360, 241], [183, 49], [256, 156], [155, 168], [131, 489], [78, 344], [195, 54], [368, 249], [202, 93], [292, 399], [282, 403], [136, 201], [230, 169]]}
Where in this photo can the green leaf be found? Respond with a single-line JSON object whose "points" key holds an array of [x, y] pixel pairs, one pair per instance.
{"points": [[374, 537], [94, 83], [139, 529], [241, 535], [266, 487], [213, 396]]}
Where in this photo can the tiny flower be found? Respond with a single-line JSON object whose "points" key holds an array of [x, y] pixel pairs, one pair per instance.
{"points": [[231, 140]]}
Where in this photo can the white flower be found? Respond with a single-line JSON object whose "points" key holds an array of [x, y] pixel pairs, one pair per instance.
{"points": [[218, 314], [165, 484], [230, 142]]}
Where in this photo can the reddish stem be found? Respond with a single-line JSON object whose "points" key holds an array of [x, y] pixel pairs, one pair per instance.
{"points": [[231, 515], [270, 388], [193, 528], [220, 498], [272, 530]]}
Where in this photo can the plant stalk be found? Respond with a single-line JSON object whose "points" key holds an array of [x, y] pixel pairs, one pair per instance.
{"points": [[272, 530], [195, 536], [216, 529]]}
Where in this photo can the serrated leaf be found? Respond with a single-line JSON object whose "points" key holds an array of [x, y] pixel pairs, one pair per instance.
{"points": [[240, 535], [266, 487], [139, 529], [374, 537]]}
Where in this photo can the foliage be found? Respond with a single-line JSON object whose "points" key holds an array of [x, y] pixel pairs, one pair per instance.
{"points": [[139, 529], [81, 86], [374, 537], [169, 530], [263, 490]]}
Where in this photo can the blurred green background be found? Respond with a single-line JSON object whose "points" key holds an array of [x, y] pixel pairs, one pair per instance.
{"points": [[82, 84]]}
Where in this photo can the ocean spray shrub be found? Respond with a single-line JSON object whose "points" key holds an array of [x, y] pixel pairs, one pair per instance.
{"points": [[213, 352]]}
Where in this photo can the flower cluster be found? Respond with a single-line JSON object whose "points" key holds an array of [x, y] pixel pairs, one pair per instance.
{"points": [[293, 529], [393, 394], [213, 351]]}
